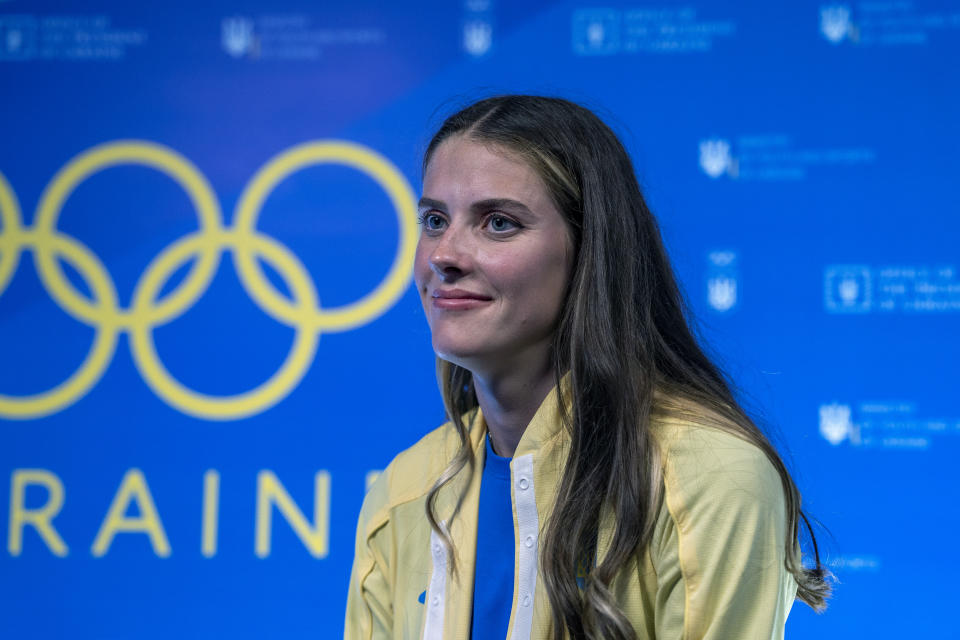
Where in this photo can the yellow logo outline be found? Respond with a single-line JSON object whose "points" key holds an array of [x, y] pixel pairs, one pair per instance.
{"points": [[205, 247]]}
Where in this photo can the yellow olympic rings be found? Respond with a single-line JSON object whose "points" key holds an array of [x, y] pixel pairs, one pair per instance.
{"points": [[102, 157], [204, 247], [100, 354], [352, 155]]}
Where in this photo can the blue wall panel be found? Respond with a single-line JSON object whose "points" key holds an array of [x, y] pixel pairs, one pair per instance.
{"points": [[801, 157]]}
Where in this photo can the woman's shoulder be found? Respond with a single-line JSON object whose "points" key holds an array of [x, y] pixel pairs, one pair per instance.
{"points": [[711, 461], [708, 441], [722, 528], [413, 471]]}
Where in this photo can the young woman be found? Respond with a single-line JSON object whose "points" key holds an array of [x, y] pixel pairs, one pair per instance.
{"points": [[597, 478]]}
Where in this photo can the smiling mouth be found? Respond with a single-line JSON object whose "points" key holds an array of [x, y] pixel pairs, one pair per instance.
{"points": [[458, 299]]}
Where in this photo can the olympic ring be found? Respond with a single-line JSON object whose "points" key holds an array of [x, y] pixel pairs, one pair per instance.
{"points": [[10, 216], [99, 356], [359, 158], [102, 157], [204, 247]]}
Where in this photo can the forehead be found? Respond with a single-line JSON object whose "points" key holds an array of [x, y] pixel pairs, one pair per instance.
{"points": [[462, 168]]}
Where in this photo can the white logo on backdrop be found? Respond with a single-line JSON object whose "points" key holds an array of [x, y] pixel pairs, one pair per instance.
{"points": [[722, 258], [722, 275], [236, 35], [66, 37], [715, 157], [596, 31], [835, 22], [896, 23], [847, 288], [477, 37], [722, 293], [19, 37], [835, 422]]}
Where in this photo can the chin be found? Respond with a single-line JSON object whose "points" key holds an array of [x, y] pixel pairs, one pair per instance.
{"points": [[465, 356]]}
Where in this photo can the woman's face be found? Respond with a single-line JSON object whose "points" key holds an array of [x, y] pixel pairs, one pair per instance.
{"points": [[493, 260]]}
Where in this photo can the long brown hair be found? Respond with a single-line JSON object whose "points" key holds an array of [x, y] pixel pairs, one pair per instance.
{"points": [[624, 339]]}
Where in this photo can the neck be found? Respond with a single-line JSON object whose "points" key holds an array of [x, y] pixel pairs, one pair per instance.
{"points": [[509, 401]]}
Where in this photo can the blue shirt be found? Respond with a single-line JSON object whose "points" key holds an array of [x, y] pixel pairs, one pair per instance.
{"points": [[493, 581]]}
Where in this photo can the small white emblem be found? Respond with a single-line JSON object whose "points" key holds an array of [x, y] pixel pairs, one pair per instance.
{"points": [[835, 423], [715, 158], [835, 22], [847, 288], [18, 37], [722, 277], [722, 293], [236, 35], [477, 37], [596, 31], [722, 258]]}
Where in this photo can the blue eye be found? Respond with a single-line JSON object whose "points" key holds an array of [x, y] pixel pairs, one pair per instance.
{"points": [[501, 224], [432, 221]]}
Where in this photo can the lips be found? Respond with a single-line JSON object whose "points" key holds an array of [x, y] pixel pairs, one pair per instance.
{"points": [[458, 299]]}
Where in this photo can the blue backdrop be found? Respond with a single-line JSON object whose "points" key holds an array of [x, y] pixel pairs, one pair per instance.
{"points": [[207, 339]]}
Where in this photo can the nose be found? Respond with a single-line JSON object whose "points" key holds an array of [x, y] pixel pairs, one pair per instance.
{"points": [[451, 257]]}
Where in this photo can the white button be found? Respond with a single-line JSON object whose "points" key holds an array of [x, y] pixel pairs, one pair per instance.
{"points": [[526, 601], [523, 484], [436, 601], [529, 541], [437, 549]]}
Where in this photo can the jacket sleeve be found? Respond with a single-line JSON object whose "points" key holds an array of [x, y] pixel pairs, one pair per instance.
{"points": [[721, 564], [370, 598]]}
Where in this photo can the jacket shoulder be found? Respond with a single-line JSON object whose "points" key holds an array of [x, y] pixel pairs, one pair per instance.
{"points": [[705, 464], [722, 538], [409, 476]]}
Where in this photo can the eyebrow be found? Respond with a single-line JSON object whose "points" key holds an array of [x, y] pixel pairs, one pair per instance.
{"points": [[479, 206]]}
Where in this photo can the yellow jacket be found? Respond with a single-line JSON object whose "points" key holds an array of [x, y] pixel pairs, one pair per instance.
{"points": [[714, 568]]}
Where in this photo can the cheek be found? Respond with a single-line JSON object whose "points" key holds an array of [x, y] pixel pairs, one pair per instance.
{"points": [[552, 275], [536, 284]]}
